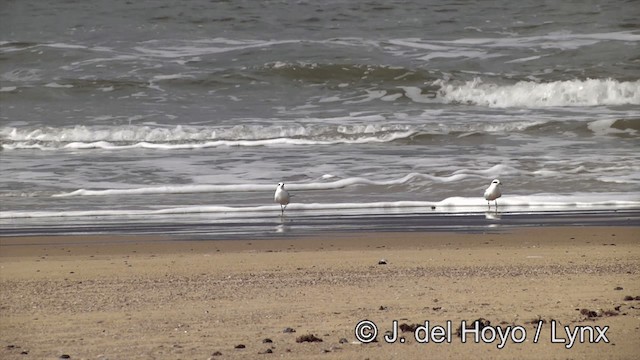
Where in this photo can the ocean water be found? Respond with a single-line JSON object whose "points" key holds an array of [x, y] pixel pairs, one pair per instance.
{"points": [[149, 111]]}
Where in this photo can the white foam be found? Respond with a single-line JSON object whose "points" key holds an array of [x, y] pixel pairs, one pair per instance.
{"points": [[357, 128], [191, 137], [171, 77], [391, 97], [528, 94], [490, 47], [204, 47], [94, 61], [457, 176], [492, 172], [546, 202], [555, 40], [525, 59], [415, 95], [371, 95], [605, 127], [64, 46], [230, 143], [56, 85], [459, 54], [538, 202], [338, 184], [626, 179], [419, 44]]}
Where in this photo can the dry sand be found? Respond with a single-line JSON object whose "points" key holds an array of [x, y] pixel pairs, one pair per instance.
{"points": [[105, 297]]}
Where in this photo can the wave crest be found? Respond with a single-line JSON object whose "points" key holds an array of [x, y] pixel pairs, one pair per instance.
{"points": [[338, 184], [529, 94], [191, 137]]}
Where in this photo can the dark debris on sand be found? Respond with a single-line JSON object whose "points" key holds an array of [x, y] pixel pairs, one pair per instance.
{"points": [[481, 323], [404, 327], [591, 314], [308, 338], [536, 321]]}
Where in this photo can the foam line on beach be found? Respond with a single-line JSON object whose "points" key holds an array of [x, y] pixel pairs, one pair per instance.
{"points": [[338, 184], [450, 205]]}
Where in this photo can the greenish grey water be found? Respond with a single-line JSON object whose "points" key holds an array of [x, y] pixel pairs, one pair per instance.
{"points": [[144, 108]]}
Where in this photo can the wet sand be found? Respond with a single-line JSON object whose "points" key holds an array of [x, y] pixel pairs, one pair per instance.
{"points": [[157, 297]]}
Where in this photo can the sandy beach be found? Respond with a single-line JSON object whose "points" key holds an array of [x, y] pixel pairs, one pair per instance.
{"points": [[155, 297]]}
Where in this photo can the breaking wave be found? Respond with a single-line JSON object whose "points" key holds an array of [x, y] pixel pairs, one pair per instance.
{"points": [[529, 94], [322, 134], [191, 137]]}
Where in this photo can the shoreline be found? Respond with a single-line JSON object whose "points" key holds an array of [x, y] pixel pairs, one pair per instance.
{"points": [[272, 226], [163, 297]]}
